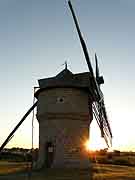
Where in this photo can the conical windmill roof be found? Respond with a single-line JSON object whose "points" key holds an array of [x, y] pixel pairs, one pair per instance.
{"points": [[65, 79], [65, 74]]}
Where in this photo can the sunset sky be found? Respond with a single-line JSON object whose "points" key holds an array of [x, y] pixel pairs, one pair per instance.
{"points": [[38, 36]]}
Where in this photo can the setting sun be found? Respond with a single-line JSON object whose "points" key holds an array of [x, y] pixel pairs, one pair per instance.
{"points": [[95, 144], [87, 145]]}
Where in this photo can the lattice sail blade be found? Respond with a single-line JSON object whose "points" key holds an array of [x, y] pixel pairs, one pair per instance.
{"points": [[95, 91]]}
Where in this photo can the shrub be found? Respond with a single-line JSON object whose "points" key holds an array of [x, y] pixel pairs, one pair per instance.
{"points": [[121, 161]]}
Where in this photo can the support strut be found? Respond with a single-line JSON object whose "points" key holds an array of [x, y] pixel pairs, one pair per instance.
{"points": [[17, 126]]}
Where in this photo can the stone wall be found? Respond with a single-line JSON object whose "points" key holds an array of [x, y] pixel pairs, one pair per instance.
{"points": [[64, 118]]}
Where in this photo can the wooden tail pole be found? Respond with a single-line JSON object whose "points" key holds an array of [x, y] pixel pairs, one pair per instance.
{"points": [[16, 127]]}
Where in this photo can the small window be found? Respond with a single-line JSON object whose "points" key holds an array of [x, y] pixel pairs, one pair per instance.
{"points": [[60, 99]]}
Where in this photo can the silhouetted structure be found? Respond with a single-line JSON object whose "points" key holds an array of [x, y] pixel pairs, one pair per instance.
{"points": [[64, 112]]}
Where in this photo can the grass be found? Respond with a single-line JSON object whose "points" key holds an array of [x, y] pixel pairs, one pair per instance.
{"points": [[11, 171], [12, 167], [113, 172], [55, 174]]}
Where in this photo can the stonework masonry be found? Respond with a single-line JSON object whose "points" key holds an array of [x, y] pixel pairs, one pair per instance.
{"points": [[64, 118]]}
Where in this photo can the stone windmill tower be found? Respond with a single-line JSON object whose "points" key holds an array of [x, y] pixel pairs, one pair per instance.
{"points": [[64, 114], [65, 107]]}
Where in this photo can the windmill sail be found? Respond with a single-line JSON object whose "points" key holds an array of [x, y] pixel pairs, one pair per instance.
{"points": [[99, 110], [99, 79]]}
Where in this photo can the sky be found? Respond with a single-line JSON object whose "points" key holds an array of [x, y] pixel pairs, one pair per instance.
{"points": [[38, 36]]}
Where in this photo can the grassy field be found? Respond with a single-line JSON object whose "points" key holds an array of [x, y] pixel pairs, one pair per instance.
{"points": [[11, 171], [12, 167], [113, 172]]}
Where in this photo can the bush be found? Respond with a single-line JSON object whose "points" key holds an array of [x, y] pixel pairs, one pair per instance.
{"points": [[121, 161], [15, 157]]}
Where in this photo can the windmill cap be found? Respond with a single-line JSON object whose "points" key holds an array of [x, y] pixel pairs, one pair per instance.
{"points": [[65, 79]]}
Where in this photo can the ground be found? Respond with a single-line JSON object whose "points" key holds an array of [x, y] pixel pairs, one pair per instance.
{"points": [[113, 172], [9, 170]]}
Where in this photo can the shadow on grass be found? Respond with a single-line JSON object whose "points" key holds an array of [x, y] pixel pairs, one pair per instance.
{"points": [[48, 174]]}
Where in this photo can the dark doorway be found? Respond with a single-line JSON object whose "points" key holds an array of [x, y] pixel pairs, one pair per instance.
{"points": [[49, 149]]}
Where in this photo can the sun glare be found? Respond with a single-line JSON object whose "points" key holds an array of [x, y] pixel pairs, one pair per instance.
{"points": [[94, 145], [97, 144], [87, 145]]}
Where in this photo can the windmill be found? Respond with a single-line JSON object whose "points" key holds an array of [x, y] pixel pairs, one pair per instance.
{"points": [[98, 109], [87, 85]]}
